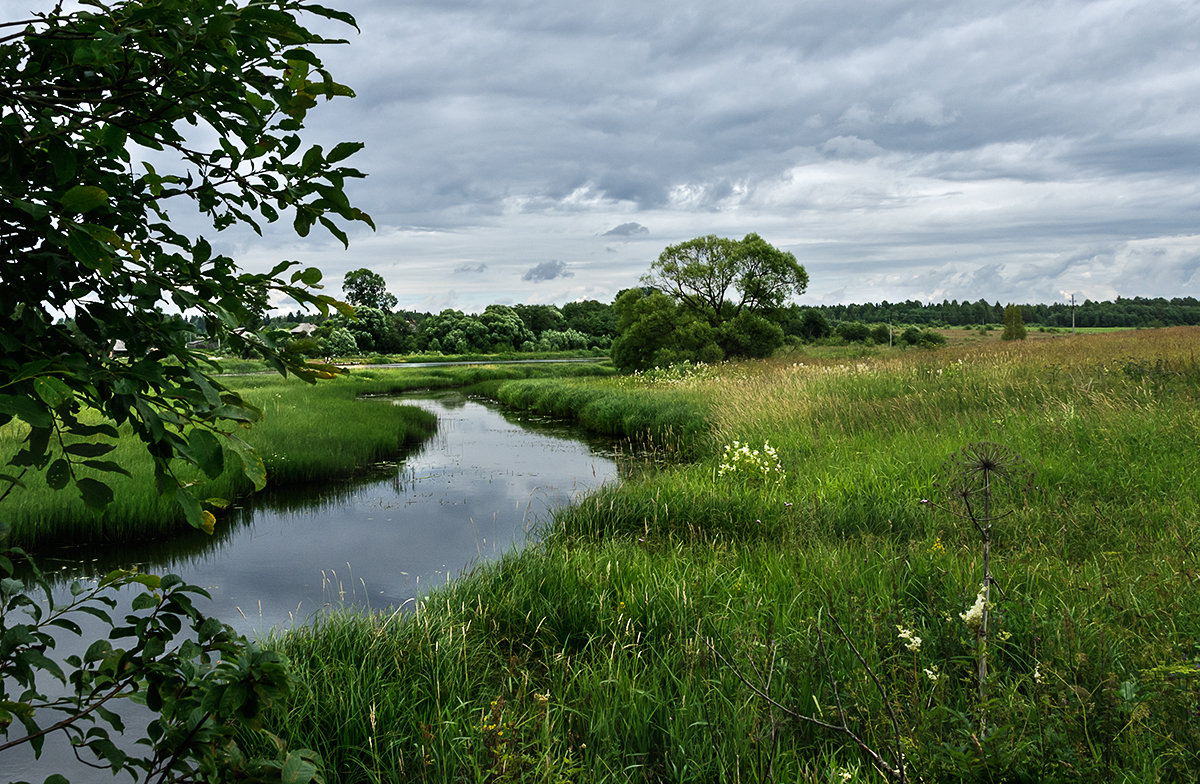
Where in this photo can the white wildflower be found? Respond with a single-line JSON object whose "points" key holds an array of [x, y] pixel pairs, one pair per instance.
{"points": [[911, 640], [973, 617], [933, 673]]}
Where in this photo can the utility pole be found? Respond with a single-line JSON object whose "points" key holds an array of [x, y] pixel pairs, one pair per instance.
{"points": [[1072, 314]]}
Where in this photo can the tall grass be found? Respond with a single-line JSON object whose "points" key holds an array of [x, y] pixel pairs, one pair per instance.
{"points": [[308, 432], [620, 649]]}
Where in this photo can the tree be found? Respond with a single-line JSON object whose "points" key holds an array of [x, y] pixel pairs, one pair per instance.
{"points": [[364, 288], [1014, 323], [506, 330], [655, 331], [97, 110], [95, 145], [719, 278]]}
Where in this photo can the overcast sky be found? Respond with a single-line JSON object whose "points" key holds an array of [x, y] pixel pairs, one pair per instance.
{"points": [[542, 152]]}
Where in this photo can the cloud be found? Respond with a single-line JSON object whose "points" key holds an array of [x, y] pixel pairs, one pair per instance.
{"points": [[626, 230], [906, 149], [547, 270]]}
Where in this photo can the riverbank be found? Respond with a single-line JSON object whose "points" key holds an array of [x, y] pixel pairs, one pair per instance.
{"points": [[638, 642], [309, 433]]}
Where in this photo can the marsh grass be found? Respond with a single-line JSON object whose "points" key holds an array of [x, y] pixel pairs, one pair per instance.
{"points": [[308, 433], [592, 657]]}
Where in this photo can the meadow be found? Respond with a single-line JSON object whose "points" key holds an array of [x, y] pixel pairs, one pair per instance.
{"points": [[779, 602]]}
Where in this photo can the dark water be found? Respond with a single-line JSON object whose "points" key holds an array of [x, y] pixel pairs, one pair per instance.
{"points": [[483, 484]]}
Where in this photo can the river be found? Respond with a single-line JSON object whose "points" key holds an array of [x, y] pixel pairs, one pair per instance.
{"points": [[483, 484]]}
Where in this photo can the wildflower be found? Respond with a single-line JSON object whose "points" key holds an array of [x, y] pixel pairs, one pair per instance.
{"points": [[911, 641], [973, 617], [937, 546], [1037, 673], [933, 673]]}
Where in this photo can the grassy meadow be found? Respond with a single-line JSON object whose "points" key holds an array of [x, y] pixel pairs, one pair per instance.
{"points": [[308, 433], [701, 622]]}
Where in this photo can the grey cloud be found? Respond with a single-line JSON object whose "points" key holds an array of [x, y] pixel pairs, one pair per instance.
{"points": [[631, 229], [547, 270], [965, 137]]}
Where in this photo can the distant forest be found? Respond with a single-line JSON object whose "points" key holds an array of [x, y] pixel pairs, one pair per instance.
{"points": [[593, 326], [1122, 312]]}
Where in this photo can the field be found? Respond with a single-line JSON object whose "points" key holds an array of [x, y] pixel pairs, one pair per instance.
{"points": [[745, 614]]}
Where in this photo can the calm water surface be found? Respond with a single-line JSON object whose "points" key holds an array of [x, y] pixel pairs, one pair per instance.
{"points": [[482, 485]]}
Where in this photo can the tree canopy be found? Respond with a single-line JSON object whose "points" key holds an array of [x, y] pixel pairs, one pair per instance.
{"points": [[720, 278], [362, 287], [97, 108]]}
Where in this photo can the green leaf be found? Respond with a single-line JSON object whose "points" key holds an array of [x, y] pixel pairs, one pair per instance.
{"points": [[207, 452], [108, 466], [94, 493], [32, 412], [343, 151], [196, 515], [58, 474], [252, 464], [310, 276], [89, 252], [88, 449], [297, 770], [53, 391], [82, 198]]}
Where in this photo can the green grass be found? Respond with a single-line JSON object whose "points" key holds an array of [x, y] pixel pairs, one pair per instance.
{"points": [[611, 652], [309, 432]]}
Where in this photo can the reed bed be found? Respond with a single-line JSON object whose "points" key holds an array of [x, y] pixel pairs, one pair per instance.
{"points": [[623, 647]]}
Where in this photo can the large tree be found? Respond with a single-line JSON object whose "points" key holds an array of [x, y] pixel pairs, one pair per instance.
{"points": [[109, 115], [720, 278], [368, 289]]}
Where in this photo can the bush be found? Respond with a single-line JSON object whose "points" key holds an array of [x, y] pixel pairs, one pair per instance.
{"points": [[853, 331]]}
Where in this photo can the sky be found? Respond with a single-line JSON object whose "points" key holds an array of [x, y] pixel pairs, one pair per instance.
{"points": [[544, 152]]}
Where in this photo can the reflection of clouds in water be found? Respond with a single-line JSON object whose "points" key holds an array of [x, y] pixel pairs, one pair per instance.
{"points": [[480, 486]]}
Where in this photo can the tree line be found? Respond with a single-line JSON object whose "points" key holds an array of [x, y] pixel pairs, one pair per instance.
{"points": [[706, 299], [1121, 312]]}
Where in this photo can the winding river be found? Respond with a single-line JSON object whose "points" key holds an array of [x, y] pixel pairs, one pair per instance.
{"points": [[481, 485]]}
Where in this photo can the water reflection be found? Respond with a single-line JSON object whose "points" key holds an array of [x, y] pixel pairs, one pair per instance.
{"points": [[482, 484]]}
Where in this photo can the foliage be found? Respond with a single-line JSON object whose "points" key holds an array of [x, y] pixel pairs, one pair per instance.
{"points": [[539, 318], [1014, 324], [1121, 312], [206, 686], [925, 338], [94, 148], [718, 278], [591, 317], [340, 342], [506, 330], [654, 330], [364, 288], [853, 331], [749, 335]]}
